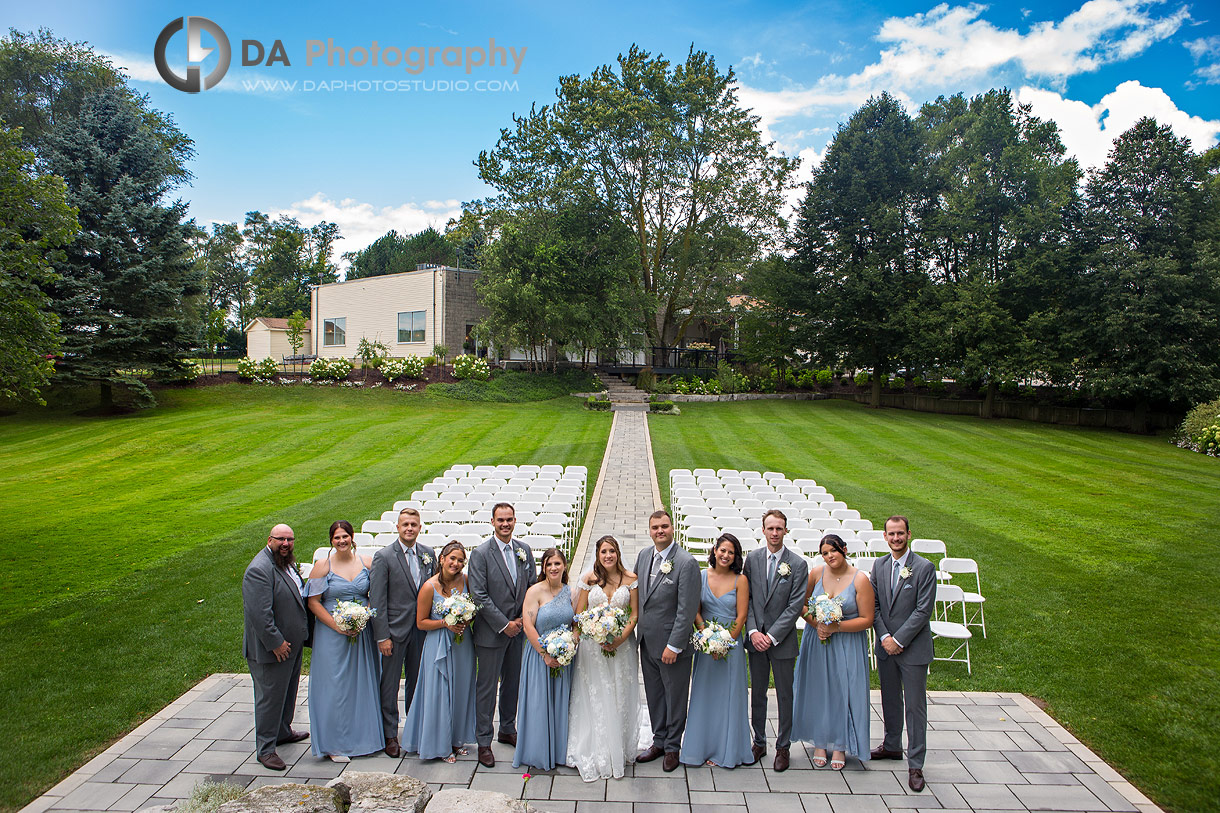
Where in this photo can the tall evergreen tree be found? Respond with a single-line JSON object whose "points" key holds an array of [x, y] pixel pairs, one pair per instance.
{"points": [[122, 287], [1153, 311], [393, 253]]}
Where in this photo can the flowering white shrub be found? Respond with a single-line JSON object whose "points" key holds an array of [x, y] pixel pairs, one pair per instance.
{"points": [[191, 370], [246, 367], [411, 367], [471, 367], [330, 369]]}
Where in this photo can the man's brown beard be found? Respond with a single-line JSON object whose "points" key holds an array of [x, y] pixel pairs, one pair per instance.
{"points": [[282, 561]]}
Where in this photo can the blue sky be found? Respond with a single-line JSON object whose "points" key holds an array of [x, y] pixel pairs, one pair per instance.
{"points": [[373, 159]]}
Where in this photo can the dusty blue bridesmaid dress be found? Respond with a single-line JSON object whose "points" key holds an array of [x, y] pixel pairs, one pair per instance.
{"points": [[441, 719], [542, 700]]}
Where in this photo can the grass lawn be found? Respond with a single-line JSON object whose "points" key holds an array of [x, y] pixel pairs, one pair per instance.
{"points": [[121, 585], [1095, 551]]}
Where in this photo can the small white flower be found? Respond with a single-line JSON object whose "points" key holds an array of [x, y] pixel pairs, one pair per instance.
{"points": [[667, 566], [783, 569], [521, 554], [426, 559], [905, 573]]}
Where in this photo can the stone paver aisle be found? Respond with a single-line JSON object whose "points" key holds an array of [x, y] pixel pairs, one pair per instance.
{"points": [[986, 750]]}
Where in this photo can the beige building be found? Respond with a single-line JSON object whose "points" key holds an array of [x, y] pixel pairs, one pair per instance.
{"points": [[268, 337], [409, 312]]}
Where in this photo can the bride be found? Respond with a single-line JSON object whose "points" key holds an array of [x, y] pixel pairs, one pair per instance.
{"points": [[604, 713]]}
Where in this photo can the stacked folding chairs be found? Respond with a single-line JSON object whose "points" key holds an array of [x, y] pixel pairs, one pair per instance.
{"points": [[549, 502], [709, 502]]}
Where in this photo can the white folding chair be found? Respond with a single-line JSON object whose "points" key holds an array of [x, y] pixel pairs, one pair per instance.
{"points": [[383, 539], [457, 515], [401, 504], [361, 538], [955, 565], [947, 596], [929, 547], [858, 524], [438, 504], [375, 526], [389, 516], [876, 547]]}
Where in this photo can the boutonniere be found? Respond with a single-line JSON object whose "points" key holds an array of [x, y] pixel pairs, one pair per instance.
{"points": [[667, 566], [426, 559], [521, 555], [783, 569], [905, 573], [297, 566]]}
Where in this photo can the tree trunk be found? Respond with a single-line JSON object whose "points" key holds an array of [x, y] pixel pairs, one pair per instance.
{"points": [[1139, 418], [987, 410], [107, 397]]}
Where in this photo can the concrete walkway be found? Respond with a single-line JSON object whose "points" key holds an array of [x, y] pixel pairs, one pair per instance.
{"points": [[987, 751]]}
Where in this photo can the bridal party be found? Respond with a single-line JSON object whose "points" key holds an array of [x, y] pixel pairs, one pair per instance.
{"points": [[435, 653]]}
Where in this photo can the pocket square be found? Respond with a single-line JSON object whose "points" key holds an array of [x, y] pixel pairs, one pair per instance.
{"points": [[907, 587], [667, 581]]}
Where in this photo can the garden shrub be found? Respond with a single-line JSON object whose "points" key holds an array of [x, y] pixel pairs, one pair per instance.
{"points": [[664, 407], [918, 381], [806, 380], [191, 370], [862, 378], [898, 383], [471, 367], [207, 796], [1200, 431], [330, 369], [598, 404], [411, 367], [1008, 389], [936, 386], [246, 367], [263, 371], [712, 386], [824, 378]]}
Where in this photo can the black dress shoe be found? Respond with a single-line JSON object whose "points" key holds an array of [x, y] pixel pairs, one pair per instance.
{"points": [[759, 751], [392, 748], [915, 779], [508, 739], [881, 752], [652, 753], [486, 758], [295, 736], [671, 762], [272, 761]]}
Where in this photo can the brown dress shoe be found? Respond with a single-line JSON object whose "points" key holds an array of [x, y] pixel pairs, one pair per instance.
{"points": [[915, 779], [486, 758], [652, 753], [671, 762], [759, 751], [881, 752], [272, 761], [295, 736], [392, 748], [508, 739], [781, 759]]}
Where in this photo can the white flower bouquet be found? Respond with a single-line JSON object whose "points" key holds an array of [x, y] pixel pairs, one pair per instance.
{"points": [[352, 616], [603, 624], [714, 639], [560, 644], [826, 610], [458, 609]]}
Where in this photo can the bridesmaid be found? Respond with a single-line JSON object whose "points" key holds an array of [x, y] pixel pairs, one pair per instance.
{"points": [[542, 700], [441, 721], [831, 710], [718, 733], [344, 678]]}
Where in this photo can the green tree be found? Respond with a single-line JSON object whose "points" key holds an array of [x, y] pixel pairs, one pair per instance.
{"points": [[285, 259], [771, 330], [671, 155], [296, 331], [1153, 305], [123, 285], [226, 275], [215, 326], [393, 253], [35, 223], [858, 245]]}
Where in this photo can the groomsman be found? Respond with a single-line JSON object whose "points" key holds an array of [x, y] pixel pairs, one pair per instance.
{"points": [[399, 570], [669, 599], [500, 571], [778, 580], [906, 590], [273, 637]]}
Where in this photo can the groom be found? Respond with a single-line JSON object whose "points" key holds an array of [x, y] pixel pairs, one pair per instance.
{"points": [[778, 579], [906, 590], [669, 598]]}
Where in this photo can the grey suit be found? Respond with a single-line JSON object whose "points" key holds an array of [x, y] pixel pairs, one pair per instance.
{"points": [[393, 593], [274, 612], [500, 594], [668, 604], [905, 614], [774, 610]]}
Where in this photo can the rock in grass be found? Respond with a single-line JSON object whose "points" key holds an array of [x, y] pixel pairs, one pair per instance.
{"points": [[294, 797], [379, 792], [457, 800]]}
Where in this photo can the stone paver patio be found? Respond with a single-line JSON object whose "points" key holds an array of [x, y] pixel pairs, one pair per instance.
{"points": [[987, 751]]}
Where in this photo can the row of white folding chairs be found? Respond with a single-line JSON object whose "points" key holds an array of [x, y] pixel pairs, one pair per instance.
{"points": [[475, 500], [573, 474], [482, 513], [463, 470], [750, 493], [539, 544], [814, 531], [471, 482], [785, 504], [548, 523], [796, 517], [563, 488]]}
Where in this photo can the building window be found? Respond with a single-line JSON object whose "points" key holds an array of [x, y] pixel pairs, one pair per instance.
{"points": [[411, 327], [334, 333]]}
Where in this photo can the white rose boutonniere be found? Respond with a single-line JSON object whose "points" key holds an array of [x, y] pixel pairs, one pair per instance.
{"points": [[521, 555], [905, 573], [783, 569], [667, 566], [425, 558]]}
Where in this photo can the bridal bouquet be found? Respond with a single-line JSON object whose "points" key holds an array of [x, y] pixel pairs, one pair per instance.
{"points": [[560, 644], [458, 609], [826, 610], [603, 624], [352, 616], [714, 639]]}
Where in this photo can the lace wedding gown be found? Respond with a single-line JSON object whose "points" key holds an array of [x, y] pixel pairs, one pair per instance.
{"points": [[604, 715]]}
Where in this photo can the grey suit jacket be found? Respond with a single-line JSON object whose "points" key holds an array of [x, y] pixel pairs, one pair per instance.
{"points": [[668, 607], [499, 598], [393, 592], [775, 611], [905, 613], [273, 610]]}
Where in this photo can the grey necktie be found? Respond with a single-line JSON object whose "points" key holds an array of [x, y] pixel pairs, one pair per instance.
{"points": [[508, 562], [897, 571], [413, 561], [657, 559], [774, 557]]}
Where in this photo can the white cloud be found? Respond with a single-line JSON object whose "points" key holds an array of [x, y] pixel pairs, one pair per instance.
{"points": [[139, 69], [361, 223], [1088, 131], [1206, 48]]}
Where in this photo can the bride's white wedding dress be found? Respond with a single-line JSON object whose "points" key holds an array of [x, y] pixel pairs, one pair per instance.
{"points": [[604, 710]]}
